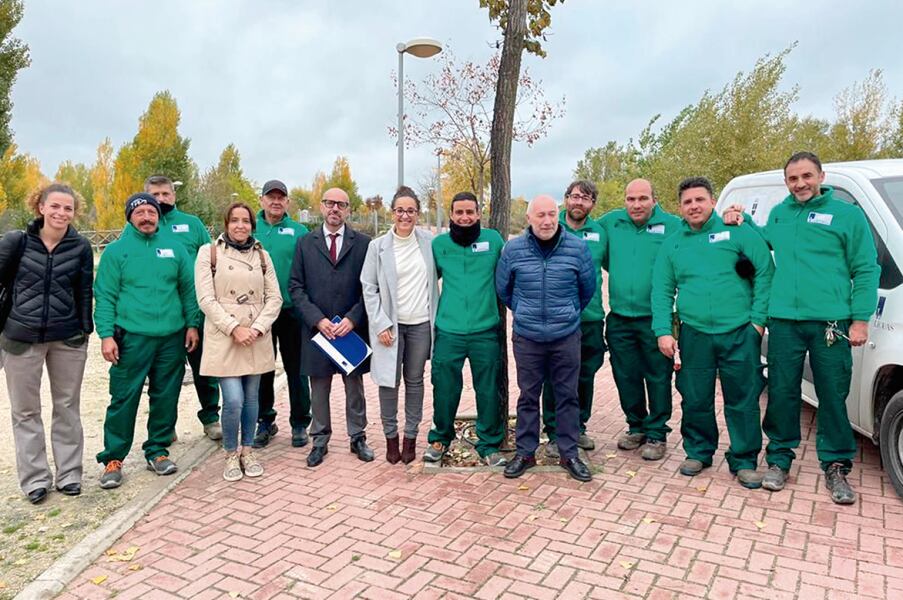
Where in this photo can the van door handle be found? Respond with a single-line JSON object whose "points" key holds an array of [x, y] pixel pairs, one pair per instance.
{"points": [[872, 345]]}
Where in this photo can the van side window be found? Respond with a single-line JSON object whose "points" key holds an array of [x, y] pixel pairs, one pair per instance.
{"points": [[890, 273]]}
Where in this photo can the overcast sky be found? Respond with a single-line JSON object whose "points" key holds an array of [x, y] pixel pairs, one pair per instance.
{"points": [[295, 83]]}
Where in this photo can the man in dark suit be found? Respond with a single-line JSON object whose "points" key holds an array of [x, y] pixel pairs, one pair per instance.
{"points": [[325, 282]]}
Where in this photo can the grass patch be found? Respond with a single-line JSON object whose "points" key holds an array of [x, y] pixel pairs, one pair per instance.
{"points": [[13, 527]]}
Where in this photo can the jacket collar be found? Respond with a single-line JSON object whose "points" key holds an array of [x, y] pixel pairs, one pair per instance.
{"points": [[131, 231], [656, 218], [34, 228], [261, 218], [706, 227]]}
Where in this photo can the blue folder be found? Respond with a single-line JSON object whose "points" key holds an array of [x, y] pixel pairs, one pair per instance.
{"points": [[347, 352]]}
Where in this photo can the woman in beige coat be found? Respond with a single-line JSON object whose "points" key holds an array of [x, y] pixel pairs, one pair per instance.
{"points": [[238, 292]]}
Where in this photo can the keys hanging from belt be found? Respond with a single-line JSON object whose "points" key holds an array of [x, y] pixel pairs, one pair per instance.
{"points": [[832, 333]]}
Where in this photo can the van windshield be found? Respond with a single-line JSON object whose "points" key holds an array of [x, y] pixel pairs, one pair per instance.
{"points": [[891, 189]]}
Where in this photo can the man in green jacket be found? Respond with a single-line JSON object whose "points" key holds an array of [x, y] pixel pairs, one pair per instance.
{"points": [[824, 293], [466, 328], [190, 232], [146, 315], [579, 200], [634, 235], [722, 316], [279, 233]]}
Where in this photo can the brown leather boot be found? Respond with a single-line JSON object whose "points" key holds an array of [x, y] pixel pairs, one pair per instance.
{"points": [[392, 453], [408, 448]]}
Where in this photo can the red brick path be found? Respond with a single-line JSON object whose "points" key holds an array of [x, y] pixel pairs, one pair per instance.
{"points": [[639, 530]]}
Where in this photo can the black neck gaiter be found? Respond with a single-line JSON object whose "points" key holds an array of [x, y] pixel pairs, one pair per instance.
{"points": [[464, 236]]}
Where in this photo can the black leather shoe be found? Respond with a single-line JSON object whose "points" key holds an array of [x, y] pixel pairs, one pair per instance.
{"points": [[299, 437], [37, 496], [70, 489], [363, 451], [316, 455], [265, 432], [519, 466], [576, 469]]}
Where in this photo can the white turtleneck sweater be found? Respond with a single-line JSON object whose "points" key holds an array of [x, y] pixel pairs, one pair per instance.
{"points": [[413, 299]]}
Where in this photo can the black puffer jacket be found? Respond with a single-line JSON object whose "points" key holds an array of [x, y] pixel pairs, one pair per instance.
{"points": [[52, 293]]}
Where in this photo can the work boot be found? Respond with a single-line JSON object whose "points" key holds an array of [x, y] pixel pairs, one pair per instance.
{"points": [[836, 482], [265, 432], [586, 442], [631, 441], [393, 455], [751, 479], [653, 450], [774, 478], [691, 467], [214, 431], [434, 452]]}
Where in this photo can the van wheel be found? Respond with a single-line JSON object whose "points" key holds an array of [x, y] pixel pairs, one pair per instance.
{"points": [[891, 440]]}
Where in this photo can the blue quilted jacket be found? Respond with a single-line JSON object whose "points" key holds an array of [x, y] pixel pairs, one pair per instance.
{"points": [[546, 295]]}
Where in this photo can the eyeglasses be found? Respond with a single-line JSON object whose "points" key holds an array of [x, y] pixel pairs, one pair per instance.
{"points": [[581, 197], [334, 204], [400, 212]]}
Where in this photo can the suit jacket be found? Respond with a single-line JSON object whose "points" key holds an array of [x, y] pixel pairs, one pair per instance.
{"points": [[320, 289]]}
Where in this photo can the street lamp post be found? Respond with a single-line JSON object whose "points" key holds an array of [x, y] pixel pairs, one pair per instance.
{"points": [[421, 48], [438, 191]]}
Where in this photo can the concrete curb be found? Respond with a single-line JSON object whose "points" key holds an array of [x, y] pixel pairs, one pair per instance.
{"points": [[67, 567]]}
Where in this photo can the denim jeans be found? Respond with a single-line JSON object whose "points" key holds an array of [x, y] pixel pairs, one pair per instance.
{"points": [[239, 397]]}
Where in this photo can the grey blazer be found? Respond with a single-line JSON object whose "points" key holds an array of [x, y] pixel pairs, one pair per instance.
{"points": [[379, 283]]}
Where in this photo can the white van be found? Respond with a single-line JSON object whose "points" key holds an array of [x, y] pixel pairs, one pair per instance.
{"points": [[875, 403]]}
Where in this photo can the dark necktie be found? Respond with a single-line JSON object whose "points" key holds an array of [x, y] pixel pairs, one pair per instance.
{"points": [[333, 254]]}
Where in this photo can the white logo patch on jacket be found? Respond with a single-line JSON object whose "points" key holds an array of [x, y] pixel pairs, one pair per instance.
{"points": [[819, 218], [480, 247], [591, 236], [180, 228], [286, 231], [721, 236], [658, 229], [165, 253]]}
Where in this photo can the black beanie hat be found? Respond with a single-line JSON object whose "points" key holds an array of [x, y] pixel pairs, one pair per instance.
{"points": [[136, 200]]}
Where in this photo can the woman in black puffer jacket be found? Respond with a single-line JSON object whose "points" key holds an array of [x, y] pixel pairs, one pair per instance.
{"points": [[51, 267]]}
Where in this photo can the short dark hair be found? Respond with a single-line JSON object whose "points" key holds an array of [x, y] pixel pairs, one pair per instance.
{"points": [[804, 155], [158, 180], [228, 214], [405, 192], [587, 187], [464, 197], [695, 182]]}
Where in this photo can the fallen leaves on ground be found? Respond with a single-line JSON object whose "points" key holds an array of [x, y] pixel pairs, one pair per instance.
{"points": [[648, 520], [626, 564], [99, 579], [523, 488], [760, 524], [396, 554], [631, 474], [125, 556]]}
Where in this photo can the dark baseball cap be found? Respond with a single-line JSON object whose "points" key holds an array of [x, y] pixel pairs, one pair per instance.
{"points": [[274, 184]]}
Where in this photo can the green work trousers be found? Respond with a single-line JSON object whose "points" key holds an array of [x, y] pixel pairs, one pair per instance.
{"points": [[639, 370], [447, 365], [832, 368], [207, 388], [592, 356], [735, 357], [161, 360]]}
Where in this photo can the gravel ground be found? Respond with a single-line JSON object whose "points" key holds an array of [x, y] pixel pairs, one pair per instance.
{"points": [[32, 537]]}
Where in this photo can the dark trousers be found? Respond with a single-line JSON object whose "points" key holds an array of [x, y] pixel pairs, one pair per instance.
{"points": [[207, 388], [832, 369], [640, 371], [287, 339], [355, 408], [558, 361], [735, 357], [592, 356]]}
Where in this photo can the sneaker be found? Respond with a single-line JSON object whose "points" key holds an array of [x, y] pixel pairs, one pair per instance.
{"points": [[631, 441], [751, 479], [251, 465], [112, 475], [586, 442], [774, 478], [161, 465], [265, 431], [435, 452], [214, 430], [691, 467], [653, 450], [232, 472], [496, 459], [836, 482], [551, 450]]}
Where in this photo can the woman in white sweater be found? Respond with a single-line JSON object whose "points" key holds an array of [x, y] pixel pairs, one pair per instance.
{"points": [[401, 295]]}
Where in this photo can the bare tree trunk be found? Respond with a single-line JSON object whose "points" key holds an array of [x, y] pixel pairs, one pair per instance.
{"points": [[500, 157]]}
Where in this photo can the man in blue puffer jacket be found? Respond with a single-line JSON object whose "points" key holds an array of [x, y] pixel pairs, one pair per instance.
{"points": [[546, 278]]}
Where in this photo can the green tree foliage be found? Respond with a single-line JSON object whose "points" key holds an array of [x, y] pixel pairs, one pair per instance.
{"points": [[301, 198], [157, 149], [610, 167], [863, 120], [78, 176], [340, 177], [538, 20], [222, 185], [108, 210], [13, 58], [20, 174]]}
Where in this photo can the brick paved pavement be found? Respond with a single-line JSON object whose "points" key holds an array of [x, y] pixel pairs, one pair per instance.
{"points": [[639, 530]]}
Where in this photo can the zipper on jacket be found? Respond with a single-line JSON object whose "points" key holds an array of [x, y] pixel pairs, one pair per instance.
{"points": [[48, 275]]}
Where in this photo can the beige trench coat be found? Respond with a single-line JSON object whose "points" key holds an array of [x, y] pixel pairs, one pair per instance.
{"points": [[239, 294]]}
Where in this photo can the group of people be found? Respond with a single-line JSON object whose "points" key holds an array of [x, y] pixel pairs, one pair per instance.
{"points": [[690, 294]]}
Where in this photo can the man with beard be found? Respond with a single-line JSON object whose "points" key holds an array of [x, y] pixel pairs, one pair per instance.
{"points": [[146, 315], [634, 235], [325, 282], [189, 231], [547, 277], [466, 328], [579, 200]]}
